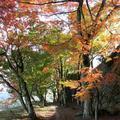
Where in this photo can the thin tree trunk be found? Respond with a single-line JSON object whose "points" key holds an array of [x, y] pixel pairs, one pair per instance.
{"points": [[26, 95], [96, 104], [64, 96], [30, 108], [86, 62], [54, 96], [23, 103], [40, 96], [62, 92], [96, 110], [86, 111]]}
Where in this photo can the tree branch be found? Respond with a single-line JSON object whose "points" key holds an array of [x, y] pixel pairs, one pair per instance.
{"points": [[89, 9], [46, 3], [8, 84], [101, 8], [59, 13], [51, 2]]}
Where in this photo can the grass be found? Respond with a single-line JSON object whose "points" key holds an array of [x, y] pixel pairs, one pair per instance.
{"points": [[13, 114]]}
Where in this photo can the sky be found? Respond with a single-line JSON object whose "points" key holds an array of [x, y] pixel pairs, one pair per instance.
{"points": [[4, 94]]}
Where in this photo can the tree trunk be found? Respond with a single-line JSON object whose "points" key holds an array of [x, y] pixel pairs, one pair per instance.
{"points": [[86, 61], [22, 102], [27, 104], [96, 104], [64, 96], [30, 108], [54, 96], [96, 110], [86, 111]]}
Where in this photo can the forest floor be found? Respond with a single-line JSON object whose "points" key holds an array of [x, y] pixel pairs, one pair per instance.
{"points": [[49, 113]]}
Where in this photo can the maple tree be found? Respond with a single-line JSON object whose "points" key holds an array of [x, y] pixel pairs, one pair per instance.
{"points": [[13, 39], [88, 25], [87, 31]]}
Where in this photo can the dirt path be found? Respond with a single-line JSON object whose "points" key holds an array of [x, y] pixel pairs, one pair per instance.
{"points": [[56, 113], [65, 113], [50, 113]]}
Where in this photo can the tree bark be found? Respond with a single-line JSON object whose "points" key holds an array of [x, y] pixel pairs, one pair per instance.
{"points": [[23, 103], [30, 108], [86, 110], [96, 104], [85, 57], [25, 93], [96, 110]]}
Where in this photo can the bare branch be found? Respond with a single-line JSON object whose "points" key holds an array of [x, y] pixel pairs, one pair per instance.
{"points": [[59, 13], [101, 8], [89, 9], [8, 84], [46, 3]]}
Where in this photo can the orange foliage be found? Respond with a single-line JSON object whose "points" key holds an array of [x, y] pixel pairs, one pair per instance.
{"points": [[83, 95], [71, 84], [45, 69], [89, 81], [91, 77], [82, 32]]}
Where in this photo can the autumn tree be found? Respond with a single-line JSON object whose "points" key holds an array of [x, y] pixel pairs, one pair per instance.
{"points": [[85, 21], [90, 21], [13, 39], [37, 73]]}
